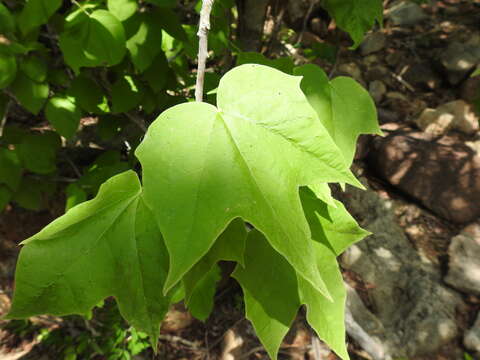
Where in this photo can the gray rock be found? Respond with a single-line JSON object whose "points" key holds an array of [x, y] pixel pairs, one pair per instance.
{"points": [[464, 260], [406, 13], [377, 90], [443, 175], [459, 59], [471, 339], [408, 298], [351, 69], [373, 43]]}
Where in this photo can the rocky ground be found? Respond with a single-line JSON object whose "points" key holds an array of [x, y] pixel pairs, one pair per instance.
{"points": [[414, 285]]}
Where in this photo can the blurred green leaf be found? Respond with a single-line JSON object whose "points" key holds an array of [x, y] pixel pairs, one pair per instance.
{"points": [[284, 64], [88, 95], [122, 9], [32, 192], [145, 44], [35, 68], [36, 13], [75, 195], [125, 94], [38, 152], [7, 22], [94, 40], [5, 196], [64, 115], [8, 69], [10, 168], [31, 94]]}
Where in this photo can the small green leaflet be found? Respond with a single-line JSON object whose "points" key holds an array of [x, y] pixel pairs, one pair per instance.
{"points": [[10, 169], [125, 94], [37, 152], [35, 68], [109, 246], [355, 16], [231, 160]]}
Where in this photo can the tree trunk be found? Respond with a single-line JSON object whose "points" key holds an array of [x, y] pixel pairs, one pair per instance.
{"points": [[251, 20]]}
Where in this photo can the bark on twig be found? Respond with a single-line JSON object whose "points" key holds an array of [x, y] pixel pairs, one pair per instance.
{"points": [[203, 29]]}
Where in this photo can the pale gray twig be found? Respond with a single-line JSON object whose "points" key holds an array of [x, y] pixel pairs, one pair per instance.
{"points": [[203, 29]]}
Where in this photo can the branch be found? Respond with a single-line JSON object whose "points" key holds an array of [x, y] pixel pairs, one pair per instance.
{"points": [[203, 29]]}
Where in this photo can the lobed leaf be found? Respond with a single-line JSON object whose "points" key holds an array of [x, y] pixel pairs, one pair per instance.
{"points": [[109, 246], [201, 172]]}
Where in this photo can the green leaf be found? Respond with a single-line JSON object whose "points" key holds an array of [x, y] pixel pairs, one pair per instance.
{"points": [[62, 271], [332, 226], [343, 106], [105, 166], [8, 69], [169, 21], [94, 40], [157, 73], [272, 308], [88, 95], [230, 246], [31, 94], [355, 17], [476, 72], [32, 193], [145, 44], [234, 159], [125, 94], [35, 68], [284, 64], [75, 195], [38, 152], [202, 300], [10, 168], [122, 9], [62, 112], [7, 22], [36, 13], [164, 3], [5, 196]]}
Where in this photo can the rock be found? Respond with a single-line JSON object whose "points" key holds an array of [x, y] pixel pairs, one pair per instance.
{"points": [[471, 340], [457, 115], [377, 90], [378, 72], [351, 69], [395, 95], [422, 75], [406, 294], [470, 90], [459, 59], [444, 175], [394, 58], [373, 43], [464, 260], [406, 13]]}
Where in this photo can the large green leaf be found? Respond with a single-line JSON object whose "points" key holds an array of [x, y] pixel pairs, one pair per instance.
{"points": [[274, 292], [62, 112], [94, 40], [343, 106], [355, 16], [8, 69], [245, 158], [36, 13], [109, 246], [32, 95], [143, 46], [202, 300]]}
